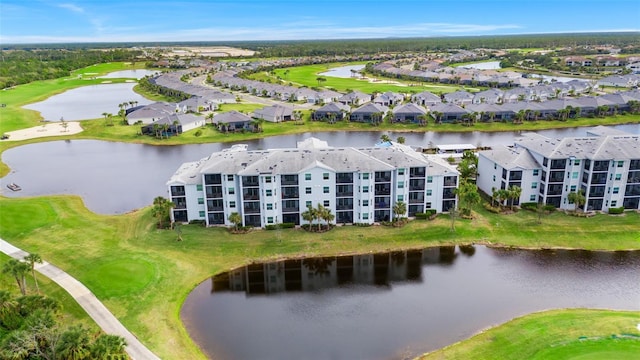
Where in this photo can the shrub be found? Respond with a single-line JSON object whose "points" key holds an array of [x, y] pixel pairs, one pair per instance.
{"points": [[549, 208], [198, 133], [495, 210], [532, 206], [421, 216], [615, 211], [198, 222], [280, 226]]}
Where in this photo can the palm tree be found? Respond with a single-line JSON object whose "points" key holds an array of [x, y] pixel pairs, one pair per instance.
{"points": [[320, 79], [401, 140], [399, 209], [423, 119], [514, 193], [209, 117], [108, 346], [32, 259], [325, 214], [236, 220], [309, 215], [161, 208], [18, 270], [257, 125], [385, 138], [576, 198], [73, 344]]}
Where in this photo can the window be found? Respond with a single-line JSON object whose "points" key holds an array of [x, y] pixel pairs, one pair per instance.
{"points": [[429, 179], [325, 176], [268, 192], [201, 213], [365, 202], [401, 185], [576, 162], [232, 204], [400, 197], [269, 206], [307, 204], [326, 203], [495, 166], [325, 189], [232, 191], [428, 205], [365, 216], [614, 203], [307, 177], [534, 185], [535, 172], [200, 201], [365, 189], [229, 177], [199, 187], [616, 190], [620, 163], [267, 179], [429, 192], [270, 220], [400, 171], [365, 176], [307, 190], [574, 175], [494, 178], [573, 188], [618, 176], [532, 198]]}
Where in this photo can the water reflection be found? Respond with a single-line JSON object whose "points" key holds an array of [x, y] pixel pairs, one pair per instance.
{"points": [[397, 304], [315, 274]]}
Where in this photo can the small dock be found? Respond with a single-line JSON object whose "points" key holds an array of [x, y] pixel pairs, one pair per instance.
{"points": [[14, 187]]}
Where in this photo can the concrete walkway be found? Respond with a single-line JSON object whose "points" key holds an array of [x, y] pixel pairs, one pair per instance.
{"points": [[98, 312]]}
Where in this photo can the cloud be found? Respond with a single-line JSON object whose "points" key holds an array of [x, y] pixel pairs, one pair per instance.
{"points": [[72, 7]]}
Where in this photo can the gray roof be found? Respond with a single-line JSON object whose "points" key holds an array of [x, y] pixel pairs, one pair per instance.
{"points": [[596, 147], [273, 111], [239, 160], [448, 108], [511, 158], [232, 116], [409, 108], [370, 108], [333, 108], [153, 110]]}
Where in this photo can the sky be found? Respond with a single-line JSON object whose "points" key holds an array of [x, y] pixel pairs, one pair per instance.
{"points": [[71, 21]]}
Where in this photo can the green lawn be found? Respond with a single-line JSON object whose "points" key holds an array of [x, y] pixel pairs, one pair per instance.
{"points": [[143, 274], [307, 76], [559, 334]]}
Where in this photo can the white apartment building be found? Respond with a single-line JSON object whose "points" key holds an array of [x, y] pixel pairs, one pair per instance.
{"points": [[359, 185], [605, 167]]}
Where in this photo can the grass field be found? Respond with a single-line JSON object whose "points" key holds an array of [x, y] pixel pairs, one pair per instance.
{"points": [[307, 76], [149, 273], [560, 334]]}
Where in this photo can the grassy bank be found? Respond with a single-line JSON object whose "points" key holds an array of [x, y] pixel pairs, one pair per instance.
{"points": [[559, 334], [150, 273]]}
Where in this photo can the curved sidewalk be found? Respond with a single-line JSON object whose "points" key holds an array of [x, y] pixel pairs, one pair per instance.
{"points": [[98, 312]]}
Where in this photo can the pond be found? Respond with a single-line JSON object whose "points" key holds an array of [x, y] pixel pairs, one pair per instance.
{"points": [[135, 74], [87, 102], [115, 178], [484, 65], [395, 305], [343, 71]]}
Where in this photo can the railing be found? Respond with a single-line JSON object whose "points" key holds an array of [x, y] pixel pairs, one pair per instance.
{"points": [[214, 195], [449, 183], [290, 209], [178, 193], [344, 194]]}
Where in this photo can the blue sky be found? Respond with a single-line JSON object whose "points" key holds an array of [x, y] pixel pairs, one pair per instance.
{"points": [[37, 21]]}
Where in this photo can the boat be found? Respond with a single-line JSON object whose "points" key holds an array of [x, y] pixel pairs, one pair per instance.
{"points": [[14, 187]]}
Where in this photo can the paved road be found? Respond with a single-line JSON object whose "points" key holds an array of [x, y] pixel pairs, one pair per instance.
{"points": [[98, 312]]}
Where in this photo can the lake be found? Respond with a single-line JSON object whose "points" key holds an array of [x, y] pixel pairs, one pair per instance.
{"points": [[115, 178], [484, 65], [396, 305], [87, 102], [342, 71]]}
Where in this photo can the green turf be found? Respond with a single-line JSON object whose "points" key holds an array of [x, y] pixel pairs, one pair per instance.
{"points": [[119, 273]]}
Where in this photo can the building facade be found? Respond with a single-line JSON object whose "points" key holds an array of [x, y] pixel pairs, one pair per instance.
{"points": [[359, 185], [605, 167]]}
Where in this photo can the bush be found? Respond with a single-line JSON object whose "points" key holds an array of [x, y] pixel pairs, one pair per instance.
{"points": [[198, 222], [280, 226], [532, 206], [421, 216], [495, 210], [549, 208], [362, 224], [198, 133], [616, 211]]}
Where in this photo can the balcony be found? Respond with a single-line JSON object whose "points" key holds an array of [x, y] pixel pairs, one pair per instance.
{"points": [[250, 181], [344, 190], [634, 165], [251, 208], [290, 193], [210, 179], [556, 177], [448, 194], [289, 180], [179, 205], [515, 176], [416, 184], [558, 164], [633, 177], [632, 190], [417, 172], [344, 178], [599, 178], [450, 181], [596, 191], [601, 166], [383, 176], [177, 191], [383, 189]]}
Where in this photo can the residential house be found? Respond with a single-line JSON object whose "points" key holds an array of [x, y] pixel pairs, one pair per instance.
{"points": [[232, 121], [355, 98], [389, 99], [426, 98], [443, 113], [333, 111], [490, 96], [150, 113], [275, 113], [460, 97], [369, 113], [173, 124], [409, 112]]}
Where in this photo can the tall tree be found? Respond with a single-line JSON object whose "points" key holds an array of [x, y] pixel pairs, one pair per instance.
{"points": [[161, 209], [310, 215], [576, 198], [18, 270], [236, 220], [399, 209], [32, 259]]}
